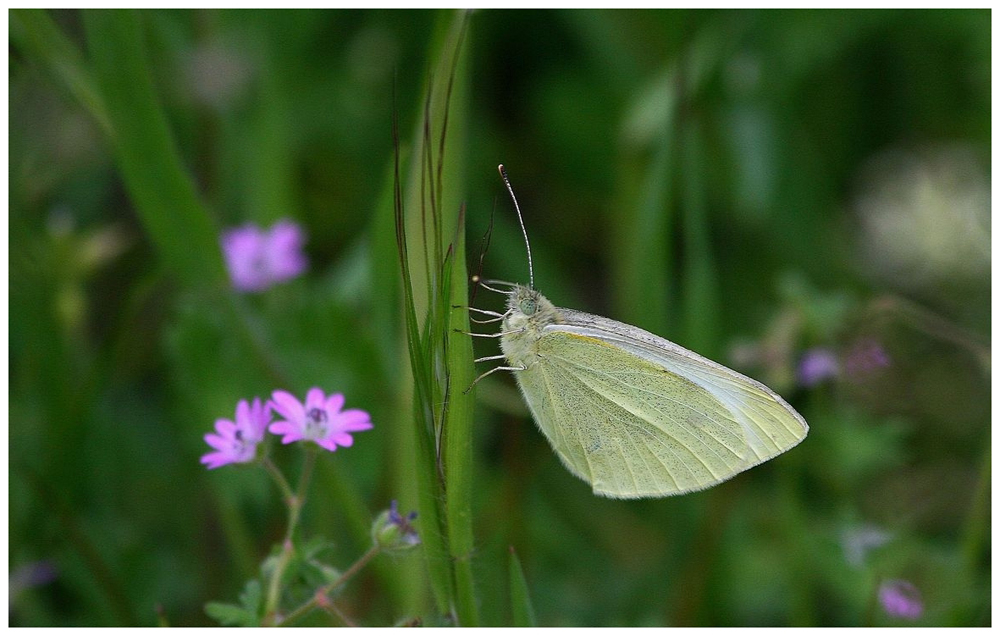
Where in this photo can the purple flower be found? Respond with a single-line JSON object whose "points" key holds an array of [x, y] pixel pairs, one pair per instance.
{"points": [[392, 530], [257, 259], [319, 420], [901, 598], [236, 442], [865, 358], [30, 575], [816, 365]]}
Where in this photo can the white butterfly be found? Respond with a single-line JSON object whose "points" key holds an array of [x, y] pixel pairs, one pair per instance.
{"points": [[632, 414]]}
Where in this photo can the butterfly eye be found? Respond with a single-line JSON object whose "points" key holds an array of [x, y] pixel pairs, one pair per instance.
{"points": [[528, 306]]}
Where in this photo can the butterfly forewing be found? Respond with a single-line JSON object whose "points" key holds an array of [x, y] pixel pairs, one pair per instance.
{"points": [[769, 424]]}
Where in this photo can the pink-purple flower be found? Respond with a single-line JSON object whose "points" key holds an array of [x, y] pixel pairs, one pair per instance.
{"points": [[236, 442], [259, 258], [901, 598], [817, 365], [866, 358], [320, 419], [393, 531]]}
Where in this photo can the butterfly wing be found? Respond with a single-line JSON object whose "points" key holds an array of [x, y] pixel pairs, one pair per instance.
{"points": [[768, 423], [627, 426]]}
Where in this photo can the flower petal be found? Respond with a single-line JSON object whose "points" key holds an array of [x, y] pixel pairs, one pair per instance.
{"points": [[355, 420], [314, 399], [327, 443], [214, 460], [291, 432], [283, 249], [225, 427], [217, 442], [342, 439], [288, 406], [260, 417], [334, 403], [243, 416]]}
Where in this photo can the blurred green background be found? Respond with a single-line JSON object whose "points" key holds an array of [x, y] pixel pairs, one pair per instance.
{"points": [[753, 185]]}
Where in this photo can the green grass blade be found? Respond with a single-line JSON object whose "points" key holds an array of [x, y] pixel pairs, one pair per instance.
{"points": [[35, 33], [449, 119], [522, 611], [428, 484], [404, 578], [162, 192], [701, 293], [434, 266], [458, 437], [642, 259]]}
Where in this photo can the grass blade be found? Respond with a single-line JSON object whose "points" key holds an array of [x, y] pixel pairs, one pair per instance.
{"points": [[441, 357], [522, 611], [428, 485], [33, 31], [162, 192]]}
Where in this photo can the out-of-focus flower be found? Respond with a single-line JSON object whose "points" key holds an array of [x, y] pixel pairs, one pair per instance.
{"points": [[392, 530], [236, 442], [773, 354], [901, 598], [817, 365], [218, 74], [27, 576], [858, 541], [926, 216], [258, 259], [319, 420], [865, 358]]}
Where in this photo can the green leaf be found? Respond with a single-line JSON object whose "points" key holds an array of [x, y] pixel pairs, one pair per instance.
{"points": [[227, 614], [246, 614]]}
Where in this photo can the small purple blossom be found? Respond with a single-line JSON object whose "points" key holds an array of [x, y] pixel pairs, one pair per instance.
{"points": [[392, 530], [319, 420], [29, 575], [409, 534], [901, 598], [865, 358], [236, 442], [258, 259], [817, 365]]}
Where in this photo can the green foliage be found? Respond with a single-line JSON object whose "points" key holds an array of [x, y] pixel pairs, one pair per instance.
{"points": [[246, 614], [430, 226], [749, 184]]}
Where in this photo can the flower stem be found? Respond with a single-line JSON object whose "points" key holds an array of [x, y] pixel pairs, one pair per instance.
{"points": [[295, 501], [279, 478], [320, 597]]}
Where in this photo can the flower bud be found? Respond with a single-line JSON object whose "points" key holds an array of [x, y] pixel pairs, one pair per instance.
{"points": [[392, 531]]}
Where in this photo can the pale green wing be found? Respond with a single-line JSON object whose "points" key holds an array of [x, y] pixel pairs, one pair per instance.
{"points": [[769, 424], [627, 426]]}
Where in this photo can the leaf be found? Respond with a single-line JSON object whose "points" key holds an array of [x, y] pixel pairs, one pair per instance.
{"points": [[227, 614], [246, 614]]}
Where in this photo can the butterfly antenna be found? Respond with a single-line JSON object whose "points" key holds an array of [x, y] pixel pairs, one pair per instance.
{"points": [[531, 271]]}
